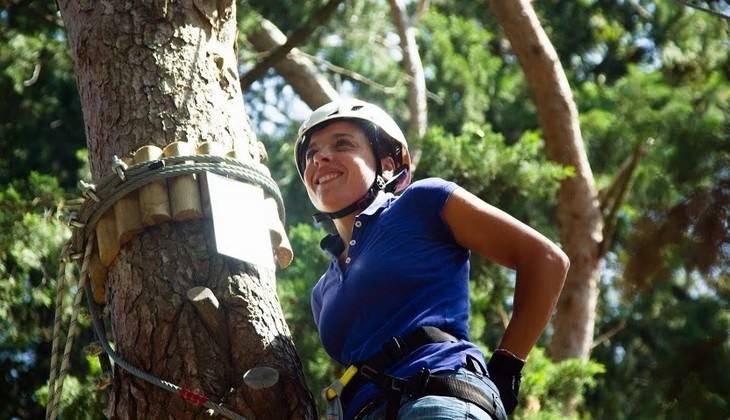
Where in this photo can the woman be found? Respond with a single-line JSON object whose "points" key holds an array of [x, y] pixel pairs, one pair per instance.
{"points": [[393, 304]]}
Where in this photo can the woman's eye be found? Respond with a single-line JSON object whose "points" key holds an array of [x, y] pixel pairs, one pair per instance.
{"points": [[342, 143], [309, 154]]}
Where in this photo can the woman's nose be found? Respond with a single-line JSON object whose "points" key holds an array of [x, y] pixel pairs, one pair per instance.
{"points": [[321, 155]]}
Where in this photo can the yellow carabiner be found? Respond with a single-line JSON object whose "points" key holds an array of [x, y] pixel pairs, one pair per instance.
{"points": [[335, 389]]}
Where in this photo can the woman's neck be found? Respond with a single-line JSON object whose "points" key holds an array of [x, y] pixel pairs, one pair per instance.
{"points": [[344, 228]]}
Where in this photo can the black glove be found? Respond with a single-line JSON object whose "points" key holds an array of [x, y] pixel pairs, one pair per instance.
{"points": [[504, 370]]}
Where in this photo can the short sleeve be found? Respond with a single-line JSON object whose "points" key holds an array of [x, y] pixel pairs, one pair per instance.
{"points": [[427, 198]]}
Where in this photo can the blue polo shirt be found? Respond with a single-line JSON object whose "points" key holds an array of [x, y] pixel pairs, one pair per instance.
{"points": [[404, 270]]}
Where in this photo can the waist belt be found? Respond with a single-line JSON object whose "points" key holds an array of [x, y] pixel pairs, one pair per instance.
{"points": [[415, 386], [445, 386]]}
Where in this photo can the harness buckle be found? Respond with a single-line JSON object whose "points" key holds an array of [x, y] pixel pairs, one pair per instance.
{"points": [[396, 384], [416, 384], [368, 372]]}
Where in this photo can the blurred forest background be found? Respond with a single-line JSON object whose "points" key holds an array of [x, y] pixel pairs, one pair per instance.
{"points": [[651, 82]]}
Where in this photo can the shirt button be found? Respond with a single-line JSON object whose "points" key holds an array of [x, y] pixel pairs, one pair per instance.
{"points": [[353, 242], [347, 260], [358, 223]]}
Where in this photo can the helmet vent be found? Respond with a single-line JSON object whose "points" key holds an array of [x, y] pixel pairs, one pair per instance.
{"points": [[356, 107]]}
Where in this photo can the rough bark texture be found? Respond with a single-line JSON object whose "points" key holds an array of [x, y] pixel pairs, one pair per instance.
{"points": [[296, 69], [154, 73], [413, 68], [578, 207]]}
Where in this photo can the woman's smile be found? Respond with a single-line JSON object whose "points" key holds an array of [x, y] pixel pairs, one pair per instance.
{"points": [[327, 177]]}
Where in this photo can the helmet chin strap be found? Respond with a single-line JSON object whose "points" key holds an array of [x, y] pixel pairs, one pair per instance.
{"points": [[363, 202]]}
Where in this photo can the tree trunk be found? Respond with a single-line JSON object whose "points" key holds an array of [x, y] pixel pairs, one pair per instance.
{"points": [[154, 73], [412, 66], [578, 207]]}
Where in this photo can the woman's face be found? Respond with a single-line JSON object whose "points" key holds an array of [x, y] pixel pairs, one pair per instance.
{"points": [[340, 166]]}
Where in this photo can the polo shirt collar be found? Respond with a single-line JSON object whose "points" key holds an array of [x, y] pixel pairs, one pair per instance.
{"points": [[381, 201], [332, 242]]}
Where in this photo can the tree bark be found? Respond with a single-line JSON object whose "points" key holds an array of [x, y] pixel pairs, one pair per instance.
{"points": [[154, 73], [578, 207], [298, 70]]}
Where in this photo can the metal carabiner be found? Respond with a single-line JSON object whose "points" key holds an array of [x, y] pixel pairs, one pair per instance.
{"points": [[119, 167]]}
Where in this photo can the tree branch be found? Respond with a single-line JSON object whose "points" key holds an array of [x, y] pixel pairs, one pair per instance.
{"points": [[388, 90], [618, 188], [608, 334], [296, 38], [421, 10], [643, 13], [296, 68], [703, 9]]}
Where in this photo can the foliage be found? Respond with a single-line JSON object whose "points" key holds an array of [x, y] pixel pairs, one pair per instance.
{"points": [[32, 234], [545, 384], [670, 359], [294, 286], [40, 114]]}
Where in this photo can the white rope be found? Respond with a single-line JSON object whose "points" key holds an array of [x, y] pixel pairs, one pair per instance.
{"points": [[60, 279], [71, 329]]}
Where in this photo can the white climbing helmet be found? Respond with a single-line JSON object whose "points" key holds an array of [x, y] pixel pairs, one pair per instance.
{"points": [[357, 110]]}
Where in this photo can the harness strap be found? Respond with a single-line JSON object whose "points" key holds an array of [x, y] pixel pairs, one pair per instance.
{"points": [[423, 384], [395, 349], [398, 347], [452, 387]]}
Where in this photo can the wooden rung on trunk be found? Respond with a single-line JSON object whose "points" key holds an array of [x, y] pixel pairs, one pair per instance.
{"points": [[184, 191], [207, 148], [154, 202], [106, 238], [97, 274], [127, 213]]}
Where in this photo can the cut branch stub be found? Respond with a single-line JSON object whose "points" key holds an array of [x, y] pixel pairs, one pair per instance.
{"points": [[261, 377], [279, 240], [210, 312]]}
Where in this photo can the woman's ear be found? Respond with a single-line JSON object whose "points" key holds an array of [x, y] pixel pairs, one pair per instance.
{"points": [[387, 164]]}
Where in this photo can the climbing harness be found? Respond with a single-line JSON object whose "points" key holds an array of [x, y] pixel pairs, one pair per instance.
{"points": [[99, 199], [394, 388]]}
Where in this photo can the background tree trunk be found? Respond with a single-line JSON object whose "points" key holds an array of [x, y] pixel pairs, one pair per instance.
{"points": [[298, 70], [578, 207], [154, 73], [413, 68]]}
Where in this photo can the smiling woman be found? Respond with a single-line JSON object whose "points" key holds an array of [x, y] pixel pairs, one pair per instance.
{"points": [[394, 303], [340, 164]]}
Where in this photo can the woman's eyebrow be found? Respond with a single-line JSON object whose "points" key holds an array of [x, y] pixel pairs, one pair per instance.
{"points": [[334, 136]]}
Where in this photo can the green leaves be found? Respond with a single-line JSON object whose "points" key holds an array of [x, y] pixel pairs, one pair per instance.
{"points": [[545, 384]]}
